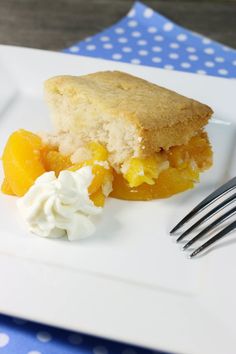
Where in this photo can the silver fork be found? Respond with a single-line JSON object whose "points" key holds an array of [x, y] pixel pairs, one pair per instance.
{"points": [[212, 198]]}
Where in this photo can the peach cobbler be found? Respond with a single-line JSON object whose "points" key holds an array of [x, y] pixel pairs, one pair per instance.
{"points": [[140, 141]]}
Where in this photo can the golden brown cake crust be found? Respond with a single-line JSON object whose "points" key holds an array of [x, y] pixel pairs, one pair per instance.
{"points": [[162, 118]]}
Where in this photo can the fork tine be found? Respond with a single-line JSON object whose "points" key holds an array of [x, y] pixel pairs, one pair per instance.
{"points": [[215, 238], [231, 184], [207, 216], [215, 223]]}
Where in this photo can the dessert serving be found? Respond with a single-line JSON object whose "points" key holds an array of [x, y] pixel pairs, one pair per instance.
{"points": [[115, 135]]}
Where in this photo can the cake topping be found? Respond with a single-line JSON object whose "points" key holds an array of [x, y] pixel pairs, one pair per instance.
{"points": [[59, 206]]}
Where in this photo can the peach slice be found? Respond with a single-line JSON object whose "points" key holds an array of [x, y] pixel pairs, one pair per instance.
{"points": [[22, 161], [98, 198], [5, 188], [98, 151], [169, 182], [98, 171], [55, 161]]}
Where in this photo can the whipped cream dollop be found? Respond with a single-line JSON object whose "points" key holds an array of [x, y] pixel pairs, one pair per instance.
{"points": [[58, 206]]}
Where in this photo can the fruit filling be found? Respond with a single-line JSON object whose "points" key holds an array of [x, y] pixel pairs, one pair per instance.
{"points": [[26, 157], [167, 174]]}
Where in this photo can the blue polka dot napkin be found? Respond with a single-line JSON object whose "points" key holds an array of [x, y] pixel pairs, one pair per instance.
{"points": [[24, 337], [145, 37]]}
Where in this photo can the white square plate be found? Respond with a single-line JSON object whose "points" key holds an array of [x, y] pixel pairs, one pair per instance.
{"points": [[128, 282]]}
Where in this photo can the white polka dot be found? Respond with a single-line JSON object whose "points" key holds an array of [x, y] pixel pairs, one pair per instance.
{"points": [[206, 41], [104, 39], [4, 339], [226, 49], [74, 49], [209, 64], [100, 350], [132, 23], [196, 35], [159, 38], [91, 47], [126, 49], [191, 49], [185, 65], [182, 37], [75, 339], [174, 45], [34, 352], [223, 71], [234, 62], [142, 42], [157, 49], [44, 337], [116, 56], [143, 52], [168, 26], [122, 40], [148, 13], [173, 56], [131, 13], [219, 59], [107, 46], [201, 72], [193, 57], [152, 29], [129, 351], [136, 34], [169, 67], [209, 50], [135, 61], [88, 39], [119, 30], [156, 60], [19, 321]]}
